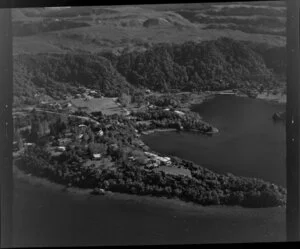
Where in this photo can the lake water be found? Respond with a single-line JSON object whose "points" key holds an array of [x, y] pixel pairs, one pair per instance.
{"points": [[49, 217], [249, 142]]}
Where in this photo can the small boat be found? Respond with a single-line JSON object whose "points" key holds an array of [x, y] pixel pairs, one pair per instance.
{"points": [[98, 191], [278, 116]]}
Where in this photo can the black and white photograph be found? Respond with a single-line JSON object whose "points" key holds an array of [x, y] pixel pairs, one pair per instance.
{"points": [[154, 124]]}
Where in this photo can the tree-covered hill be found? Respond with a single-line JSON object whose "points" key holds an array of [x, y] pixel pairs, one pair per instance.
{"points": [[210, 65], [58, 74]]}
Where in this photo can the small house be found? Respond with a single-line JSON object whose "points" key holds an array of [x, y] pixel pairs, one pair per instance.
{"points": [[148, 91], [97, 156], [100, 133], [61, 148], [179, 113], [44, 102], [29, 144], [68, 134]]}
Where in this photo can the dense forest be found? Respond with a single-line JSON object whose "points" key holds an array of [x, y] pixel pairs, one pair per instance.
{"points": [[56, 75], [209, 65]]}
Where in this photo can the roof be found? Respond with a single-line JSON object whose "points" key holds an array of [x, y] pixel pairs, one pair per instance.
{"points": [[96, 155], [29, 144], [179, 112]]}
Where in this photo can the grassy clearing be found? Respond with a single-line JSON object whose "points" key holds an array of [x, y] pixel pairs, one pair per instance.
{"points": [[174, 171], [106, 105]]}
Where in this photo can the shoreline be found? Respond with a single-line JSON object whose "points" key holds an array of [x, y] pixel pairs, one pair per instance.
{"points": [[148, 132], [278, 98], [173, 203], [198, 99]]}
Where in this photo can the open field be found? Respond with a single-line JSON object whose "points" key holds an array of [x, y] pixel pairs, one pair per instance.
{"points": [[106, 105]]}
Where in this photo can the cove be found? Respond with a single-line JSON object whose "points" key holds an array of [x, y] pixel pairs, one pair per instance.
{"points": [[249, 143]]}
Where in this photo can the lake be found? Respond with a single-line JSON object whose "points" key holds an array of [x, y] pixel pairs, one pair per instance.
{"points": [[249, 143], [49, 217]]}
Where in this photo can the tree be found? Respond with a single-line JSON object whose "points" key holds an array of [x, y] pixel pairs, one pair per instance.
{"points": [[96, 148], [34, 132], [18, 138], [125, 99], [138, 98]]}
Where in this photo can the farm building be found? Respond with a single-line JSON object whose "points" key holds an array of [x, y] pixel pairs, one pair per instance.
{"points": [[97, 156], [61, 148], [179, 113]]}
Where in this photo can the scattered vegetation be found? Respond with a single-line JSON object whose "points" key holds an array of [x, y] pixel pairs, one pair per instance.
{"points": [[248, 28], [31, 28], [248, 11]]}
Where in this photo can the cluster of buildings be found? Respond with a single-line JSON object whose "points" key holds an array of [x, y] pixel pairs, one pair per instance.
{"points": [[55, 106], [156, 161], [89, 94]]}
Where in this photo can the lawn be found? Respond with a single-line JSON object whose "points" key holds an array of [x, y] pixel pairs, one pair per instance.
{"points": [[174, 171], [106, 105]]}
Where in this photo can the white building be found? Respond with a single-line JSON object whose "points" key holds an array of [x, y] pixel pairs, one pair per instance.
{"points": [[61, 148], [29, 144], [179, 113], [97, 156]]}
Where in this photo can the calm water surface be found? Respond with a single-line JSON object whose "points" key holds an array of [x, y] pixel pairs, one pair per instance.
{"points": [[249, 142]]}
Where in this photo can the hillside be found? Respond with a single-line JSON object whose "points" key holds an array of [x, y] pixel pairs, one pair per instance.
{"points": [[137, 28], [210, 65], [55, 75]]}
